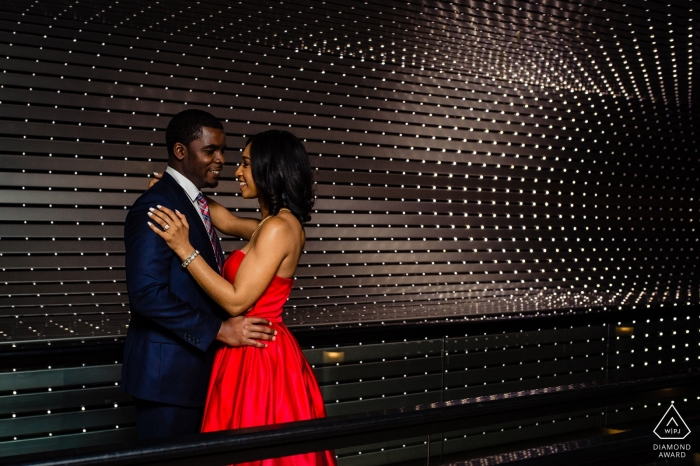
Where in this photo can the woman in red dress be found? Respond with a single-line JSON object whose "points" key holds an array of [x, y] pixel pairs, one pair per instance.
{"points": [[259, 386]]}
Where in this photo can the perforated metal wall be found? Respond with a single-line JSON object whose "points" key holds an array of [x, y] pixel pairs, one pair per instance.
{"points": [[65, 394], [471, 157]]}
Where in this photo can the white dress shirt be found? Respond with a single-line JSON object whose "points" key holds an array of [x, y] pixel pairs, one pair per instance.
{"points": [[190, 189]]}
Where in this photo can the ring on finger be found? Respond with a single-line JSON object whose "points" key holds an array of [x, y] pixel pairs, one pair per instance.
{"points": [[166, 227]]}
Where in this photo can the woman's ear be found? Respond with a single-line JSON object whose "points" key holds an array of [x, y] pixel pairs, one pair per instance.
{"points": [[180, 151]]}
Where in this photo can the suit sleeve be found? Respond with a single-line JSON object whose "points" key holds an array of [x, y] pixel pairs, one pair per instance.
{"points": [[148, 264]]}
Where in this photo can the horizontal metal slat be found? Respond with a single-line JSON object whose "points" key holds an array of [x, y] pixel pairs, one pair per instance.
{"points": [[651, 413], [64, 260], [563, 350], [55, 423], [543, 430], [377, 388], [65, 398], [85, 181], [376, 370], [526, 371], [62, 442], [525, 338], [350, 407], [58, 276], [68, 300], [82, 164], [375, 352], [66, 197], [640, 371], [71, 288], [87, 150], [35, 214], [56, 378], [382, 453], [563, 417], [655, 354], [526, 384], [44, 130]]}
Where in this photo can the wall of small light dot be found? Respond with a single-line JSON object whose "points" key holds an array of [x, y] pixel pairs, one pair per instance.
{"points": [[472, 158]]}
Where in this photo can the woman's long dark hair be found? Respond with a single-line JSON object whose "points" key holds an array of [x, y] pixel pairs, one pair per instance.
{"points": [[282, 173]]}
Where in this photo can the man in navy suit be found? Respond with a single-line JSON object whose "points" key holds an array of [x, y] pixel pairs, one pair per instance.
{"points": [[169, 346]]}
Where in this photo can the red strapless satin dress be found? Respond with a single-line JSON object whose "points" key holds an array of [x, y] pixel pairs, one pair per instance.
{"points": [[255, 387]]}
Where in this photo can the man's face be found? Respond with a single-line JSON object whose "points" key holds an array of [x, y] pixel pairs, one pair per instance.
{"points": [[203, 160]]}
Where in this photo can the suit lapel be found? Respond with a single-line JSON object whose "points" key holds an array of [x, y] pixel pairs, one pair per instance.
{"points": [[198, 234]]}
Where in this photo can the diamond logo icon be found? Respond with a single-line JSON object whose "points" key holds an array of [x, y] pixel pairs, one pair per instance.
{"points": [[672, 426]]}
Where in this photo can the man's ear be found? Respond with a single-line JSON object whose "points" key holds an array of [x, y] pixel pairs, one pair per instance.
{"points": [[180, 151]]}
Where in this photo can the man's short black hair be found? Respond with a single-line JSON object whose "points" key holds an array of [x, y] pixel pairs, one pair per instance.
{"points": [[186, 126]]}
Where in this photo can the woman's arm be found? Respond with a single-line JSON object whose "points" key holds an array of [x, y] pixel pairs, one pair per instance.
{"points": [[255, 273], [230, 224]]}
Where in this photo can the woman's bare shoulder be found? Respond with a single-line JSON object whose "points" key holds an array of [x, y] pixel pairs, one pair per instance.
{"points": [[275, 229]]}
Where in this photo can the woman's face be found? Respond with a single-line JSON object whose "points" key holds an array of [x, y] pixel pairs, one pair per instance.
{"points": [[244, 174]]}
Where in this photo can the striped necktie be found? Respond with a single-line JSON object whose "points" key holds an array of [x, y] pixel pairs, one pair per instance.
{"points": [[216, 246]]}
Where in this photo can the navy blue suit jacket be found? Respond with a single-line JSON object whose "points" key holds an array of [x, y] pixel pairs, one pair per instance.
{"points": [[168, 353]]}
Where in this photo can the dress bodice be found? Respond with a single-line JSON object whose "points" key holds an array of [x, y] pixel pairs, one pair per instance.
{"points": [[269, 305]]}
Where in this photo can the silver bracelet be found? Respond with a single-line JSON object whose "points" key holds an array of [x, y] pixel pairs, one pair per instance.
{"points": [[190, 259]]}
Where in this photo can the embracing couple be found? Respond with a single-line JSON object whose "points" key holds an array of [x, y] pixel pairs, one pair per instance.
{"points": [[206, 348]]}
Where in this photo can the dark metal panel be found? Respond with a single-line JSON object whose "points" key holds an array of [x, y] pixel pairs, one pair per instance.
{"points": [[575, 350], [378, 351], [482, 389], [29, 425], [104, 437], [539, 369], [376, 404], [74, 398], [376, 370], [68, 164], [57, 378], [28, 289], [382, 388], [37, 276], [565, 335], [545, 429], [383, 453], [136, 153], [67, 198], [571, 417], [65, 261], [62, 215], [651, 413], [74, 181]]}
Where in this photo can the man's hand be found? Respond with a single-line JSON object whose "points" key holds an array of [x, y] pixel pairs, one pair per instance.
{"points": [[244, 331]]}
